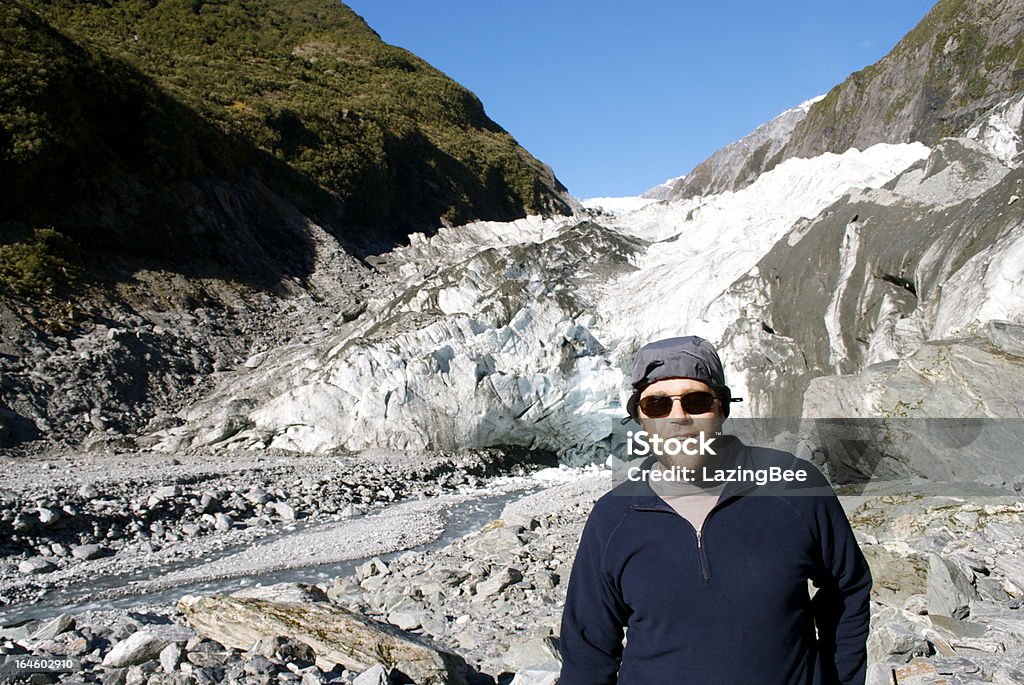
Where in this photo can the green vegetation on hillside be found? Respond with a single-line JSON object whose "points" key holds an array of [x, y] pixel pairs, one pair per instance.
{"points": [[961, 59], [113, 113], [38, 263]]}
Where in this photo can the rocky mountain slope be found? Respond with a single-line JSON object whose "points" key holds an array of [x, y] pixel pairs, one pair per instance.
{"points": [[822, 271], [661, 191], [181, 176], [964, 58], [738, 164], [101, 96]]}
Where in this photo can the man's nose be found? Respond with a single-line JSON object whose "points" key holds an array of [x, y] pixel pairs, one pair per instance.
{"points": [[677, 409]]}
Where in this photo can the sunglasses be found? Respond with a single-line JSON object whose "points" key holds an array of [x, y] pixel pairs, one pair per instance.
{"points": [[660, 406]]}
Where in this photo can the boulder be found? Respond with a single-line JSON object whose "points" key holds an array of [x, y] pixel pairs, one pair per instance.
{"points": [[375, 675], [54, 627], [223, 522], [879, 674], [950, 591], [285, 511], [87, 551], [36, 566], [312, 677], [895, 634], [257, 495], [535, 677], [47, 516], [407, 617], [114, 676], [500, 541], [537, 654], [498, 582], [170, 656], [88, 491], [373, 567], [258, 664], [137, 648], [167, 492], [285, 649], [338, 637], [896, 577]]}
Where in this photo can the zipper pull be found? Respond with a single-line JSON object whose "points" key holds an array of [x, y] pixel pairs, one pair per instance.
{"points": [[705, 571]]}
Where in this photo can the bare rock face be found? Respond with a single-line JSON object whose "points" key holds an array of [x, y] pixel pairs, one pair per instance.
{"points": [[953, 66], [943, 79], [737, 165], [336, 635]]}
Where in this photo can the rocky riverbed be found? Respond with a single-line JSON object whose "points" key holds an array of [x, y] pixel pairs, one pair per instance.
{"points": [[67, 518], [485, 608]]}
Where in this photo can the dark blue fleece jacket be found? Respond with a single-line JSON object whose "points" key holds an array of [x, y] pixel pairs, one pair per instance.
{"points": [[728, 608]]}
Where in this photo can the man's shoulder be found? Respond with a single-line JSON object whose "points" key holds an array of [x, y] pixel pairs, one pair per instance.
{"points": [[610, 507], [617, 500]]}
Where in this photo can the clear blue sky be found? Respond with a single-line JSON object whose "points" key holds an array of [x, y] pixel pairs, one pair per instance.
{"points": [[617, 96]]}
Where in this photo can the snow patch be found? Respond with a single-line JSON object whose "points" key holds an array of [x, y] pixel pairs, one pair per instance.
{"points": [[618, 205]]}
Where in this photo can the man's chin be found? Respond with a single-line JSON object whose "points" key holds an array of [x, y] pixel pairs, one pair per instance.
{"points": [[690, 461]]}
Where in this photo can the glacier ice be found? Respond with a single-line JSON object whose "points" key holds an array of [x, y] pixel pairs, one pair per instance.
{"points": [[518, 333]]}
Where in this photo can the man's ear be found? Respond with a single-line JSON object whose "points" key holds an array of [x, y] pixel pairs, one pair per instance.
{"points": [[724, 395], [632, 406]]}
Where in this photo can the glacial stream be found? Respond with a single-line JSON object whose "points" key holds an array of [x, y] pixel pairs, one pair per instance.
{"points": [[461, 517]]}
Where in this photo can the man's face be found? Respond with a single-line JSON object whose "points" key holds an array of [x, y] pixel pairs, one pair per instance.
{"points": [[678, 423]]}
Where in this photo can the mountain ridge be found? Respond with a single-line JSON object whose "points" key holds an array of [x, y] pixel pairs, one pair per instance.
{"points": [[964, 58], [181, 177], [739, 163], [366, 137]]}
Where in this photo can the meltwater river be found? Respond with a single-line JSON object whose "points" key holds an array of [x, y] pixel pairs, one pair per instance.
{"points": [[229, 570]]}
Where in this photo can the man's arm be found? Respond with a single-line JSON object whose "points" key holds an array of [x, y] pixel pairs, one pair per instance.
{"points": [[590, 640], [842, 604]]}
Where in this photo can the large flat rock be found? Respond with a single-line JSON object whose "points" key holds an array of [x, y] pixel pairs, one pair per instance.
{"points": [[337, 636]]}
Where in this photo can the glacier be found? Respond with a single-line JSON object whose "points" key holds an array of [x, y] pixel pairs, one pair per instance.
{"points": [[519, 333], [813, 280]]}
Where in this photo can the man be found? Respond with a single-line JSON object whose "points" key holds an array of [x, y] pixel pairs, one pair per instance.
{"points": [[707, 579]]}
